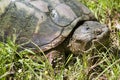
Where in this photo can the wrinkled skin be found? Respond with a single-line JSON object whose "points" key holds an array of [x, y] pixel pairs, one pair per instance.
{"points": [[56, 26]]}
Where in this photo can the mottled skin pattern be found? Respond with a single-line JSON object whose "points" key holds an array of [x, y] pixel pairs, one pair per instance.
{"points": [[56, 26]]}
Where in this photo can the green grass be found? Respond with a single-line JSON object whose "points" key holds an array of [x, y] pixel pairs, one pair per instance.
{"points": [[27, 65], [22, 65]]}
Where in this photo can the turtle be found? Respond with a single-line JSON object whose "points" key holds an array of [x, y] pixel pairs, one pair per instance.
{"points": [[55, 26]]}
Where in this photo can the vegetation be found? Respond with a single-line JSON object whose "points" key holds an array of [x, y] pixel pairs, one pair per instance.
{"points": [[100, 65]]}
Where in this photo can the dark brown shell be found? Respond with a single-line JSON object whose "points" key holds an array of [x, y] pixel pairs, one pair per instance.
{"points": [[45, 23]]}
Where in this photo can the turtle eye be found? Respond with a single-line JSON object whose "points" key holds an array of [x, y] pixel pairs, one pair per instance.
{"points": [[98, 31]]}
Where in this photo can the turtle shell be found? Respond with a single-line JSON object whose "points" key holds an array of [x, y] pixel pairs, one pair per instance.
{"points": [[45, 23]]}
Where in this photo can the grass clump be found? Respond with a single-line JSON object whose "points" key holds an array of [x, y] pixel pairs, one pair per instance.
{"points": [[22, 65]]}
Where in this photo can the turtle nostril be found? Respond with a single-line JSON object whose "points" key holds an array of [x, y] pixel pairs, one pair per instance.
{"points": [[94, 38]]}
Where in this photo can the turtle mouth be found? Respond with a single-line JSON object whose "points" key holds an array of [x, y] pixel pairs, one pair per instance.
{"points": [[97, 42]]}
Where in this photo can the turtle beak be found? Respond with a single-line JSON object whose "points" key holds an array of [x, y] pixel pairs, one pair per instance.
{"points": [[100, 38], [101, 33]]}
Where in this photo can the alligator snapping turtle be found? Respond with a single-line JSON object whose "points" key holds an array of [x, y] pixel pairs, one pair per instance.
{"points": [[53, 25]]}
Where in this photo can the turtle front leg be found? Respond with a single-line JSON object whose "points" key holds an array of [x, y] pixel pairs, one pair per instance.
{"points": [[55, 58]]}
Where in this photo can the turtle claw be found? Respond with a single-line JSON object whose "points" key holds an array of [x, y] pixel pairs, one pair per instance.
{"points": [[55, 58]]}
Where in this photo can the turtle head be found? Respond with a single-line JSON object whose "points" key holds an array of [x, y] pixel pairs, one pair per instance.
{"points": [[87, 35]]}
